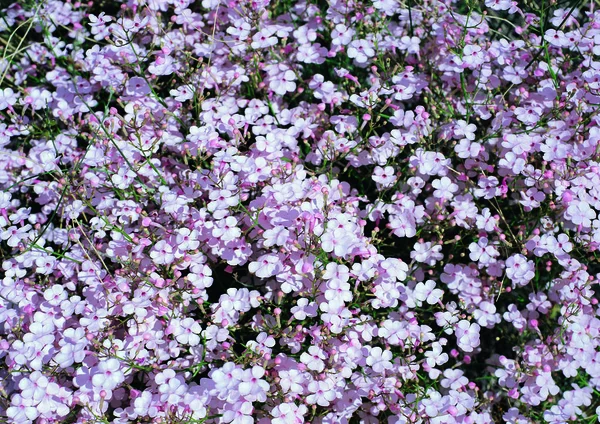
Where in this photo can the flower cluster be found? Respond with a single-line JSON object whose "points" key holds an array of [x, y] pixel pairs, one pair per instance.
{"points": [[285, 212]]}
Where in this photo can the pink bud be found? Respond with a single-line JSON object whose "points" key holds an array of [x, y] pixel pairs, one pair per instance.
{"points": [[567, 197]]}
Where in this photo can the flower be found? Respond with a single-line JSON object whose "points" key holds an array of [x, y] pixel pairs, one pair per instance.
{"points": [[187, 331], [7, 98], [519, 269], [321, 393], [107, 375], [473, 56], [379, 360], [252, 387], [385, 177], [580, 213], [314, 359], [467, 335], [462, 129], [427, 292], [444, 188], [360, 51], [266, 266]]}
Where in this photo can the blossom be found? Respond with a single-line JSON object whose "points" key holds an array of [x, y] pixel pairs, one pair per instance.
{"points": [[473, 55], [107, 375], [467, 335], [499, 4], [264, 38], [486, 315], [321, 393], [15, 235], [360, 51], [283, 82], [427, 253], [162, 253], [288, 413], [386, 177], [427, 292], [454, 379], [519, 269], [171, 386], [187, 331], [252, 386], [483, 252], [7, 98], [314, 359], [444, 188], [464, 129], [580, 213], [379, 359], [529, 115], [266, 266]]}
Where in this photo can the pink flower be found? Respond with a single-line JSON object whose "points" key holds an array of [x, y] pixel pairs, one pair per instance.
{"points": [[138, 87], [7, 98], [187, 331], [499, 4], [428, 292], [384, 177], [264, 38], [314, 359], [321, 393], [379, 359], [266, 266], [519, 269], [361, 51], [464, 130], [580, 213], [288, 413], [107, 375], [444, 188], [171, 386], [162, 253], [15, 235], [454, 379], [283, 82], [528, 115], [253, 387], [467, 335], [473, 56]]}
